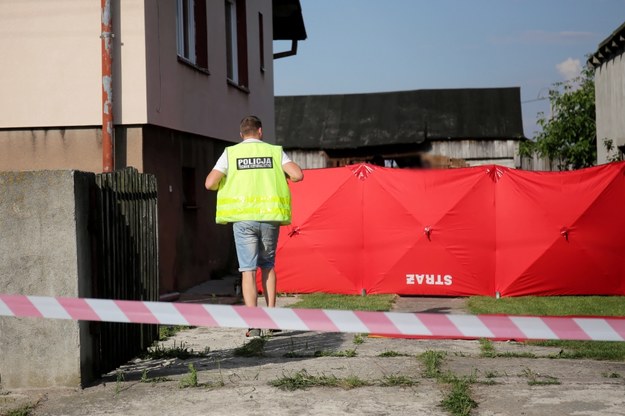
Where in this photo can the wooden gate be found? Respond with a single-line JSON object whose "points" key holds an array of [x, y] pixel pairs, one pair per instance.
{"points": [[125, 260]]}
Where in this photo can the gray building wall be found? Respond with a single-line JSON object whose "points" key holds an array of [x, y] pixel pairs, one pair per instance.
{"points": [[474, 152], [479, 152], [610, 105], [44, 251]]}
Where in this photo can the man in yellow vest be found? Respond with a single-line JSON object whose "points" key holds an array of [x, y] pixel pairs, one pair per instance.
{"points": [[253, 194]]}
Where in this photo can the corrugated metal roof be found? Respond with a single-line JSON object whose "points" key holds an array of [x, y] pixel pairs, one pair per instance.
{"points": [[402, 117]]}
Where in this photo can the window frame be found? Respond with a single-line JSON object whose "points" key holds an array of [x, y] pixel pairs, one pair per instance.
{"points": [[191, 24]]}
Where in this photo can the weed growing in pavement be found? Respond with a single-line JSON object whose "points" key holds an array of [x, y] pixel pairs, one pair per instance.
{"points": [[118, 382], [321, 353], [359, 339], [190, 380], [488, 351], [303, 380], [397, 380], [327, 353], [146, 379], [392, 354], [181, 351], [253, 348], [490, 378], [25, 410], [611, 375], [458, 400], [491, 374], [487, 348], [221, 381], [537, 379], [432, 361], [166, 331], [510, 354]]}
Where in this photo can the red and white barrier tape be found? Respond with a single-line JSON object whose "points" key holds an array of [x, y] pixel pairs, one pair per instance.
{"points": [[383, 323]]}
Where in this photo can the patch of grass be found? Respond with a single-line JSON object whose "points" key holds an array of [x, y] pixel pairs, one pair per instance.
{"points": [[328, 353], [432, 361], [491, 374], [392, 354], [25, 410], [611, 375], [167, 331], [490, 378], [190, 380], [118, 382], [146, 379], [345, 302], [303, 380], [510, 354], [537, 379], [561, 306], [487, 348], [397, 380], [458, 400], [181, 351], [594, 350], [359, 338], [253, 348], [321, 353], [549, 305]]}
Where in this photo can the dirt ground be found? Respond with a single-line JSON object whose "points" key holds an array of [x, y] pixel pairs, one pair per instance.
{"points": [[231, 385]]}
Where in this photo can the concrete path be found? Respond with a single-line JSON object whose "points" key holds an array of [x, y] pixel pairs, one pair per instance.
{"points": [[231, 385]]}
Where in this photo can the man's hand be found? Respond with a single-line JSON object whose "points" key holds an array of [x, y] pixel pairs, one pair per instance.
{"points": [[213, 179], [293, 171]]}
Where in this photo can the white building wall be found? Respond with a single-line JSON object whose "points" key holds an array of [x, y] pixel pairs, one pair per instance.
{"points": [[51, 63], [610, 105]]}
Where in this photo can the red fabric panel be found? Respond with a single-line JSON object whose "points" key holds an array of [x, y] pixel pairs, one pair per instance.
{"points": [[428, 233], [560, 233], [320, 250], [472, 231]]}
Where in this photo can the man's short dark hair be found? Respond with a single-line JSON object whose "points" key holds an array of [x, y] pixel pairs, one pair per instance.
{"points": [[250, 125]]}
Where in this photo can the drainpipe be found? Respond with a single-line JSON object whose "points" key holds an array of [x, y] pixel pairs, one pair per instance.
{"points": [[285, 54], [108, 163]]}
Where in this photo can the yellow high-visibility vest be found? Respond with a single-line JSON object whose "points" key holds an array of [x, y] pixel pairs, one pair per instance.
{"points": [[255, 187]]}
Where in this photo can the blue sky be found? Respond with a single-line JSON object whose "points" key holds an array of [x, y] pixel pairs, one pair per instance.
{"points": [[357, 46]]}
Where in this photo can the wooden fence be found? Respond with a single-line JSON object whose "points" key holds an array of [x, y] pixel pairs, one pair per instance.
{"points": [[125, 260]]}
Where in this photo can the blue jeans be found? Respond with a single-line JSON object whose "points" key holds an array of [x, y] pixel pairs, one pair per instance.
{"points": [[256, 244]]}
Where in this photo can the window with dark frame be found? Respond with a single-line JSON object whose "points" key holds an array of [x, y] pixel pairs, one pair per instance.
{"points": [[261, 40], [236, 43], [191, 32]]}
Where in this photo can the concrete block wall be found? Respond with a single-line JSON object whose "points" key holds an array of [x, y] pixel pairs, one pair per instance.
{"points": [[45, 250]]}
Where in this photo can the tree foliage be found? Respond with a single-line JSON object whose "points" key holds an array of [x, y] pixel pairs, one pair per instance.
{"points": [[568, 135]]}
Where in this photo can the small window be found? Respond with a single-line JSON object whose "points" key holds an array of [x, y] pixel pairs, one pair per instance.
{"points": [[261, 41], [231, 42], [236, 43], [191, 32]]}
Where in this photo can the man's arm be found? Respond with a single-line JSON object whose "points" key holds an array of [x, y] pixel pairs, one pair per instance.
{"points": [[293, 171], [213, 179]]}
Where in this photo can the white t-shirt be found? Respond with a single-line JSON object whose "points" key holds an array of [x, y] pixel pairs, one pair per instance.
{"points": [[222, 162]]}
